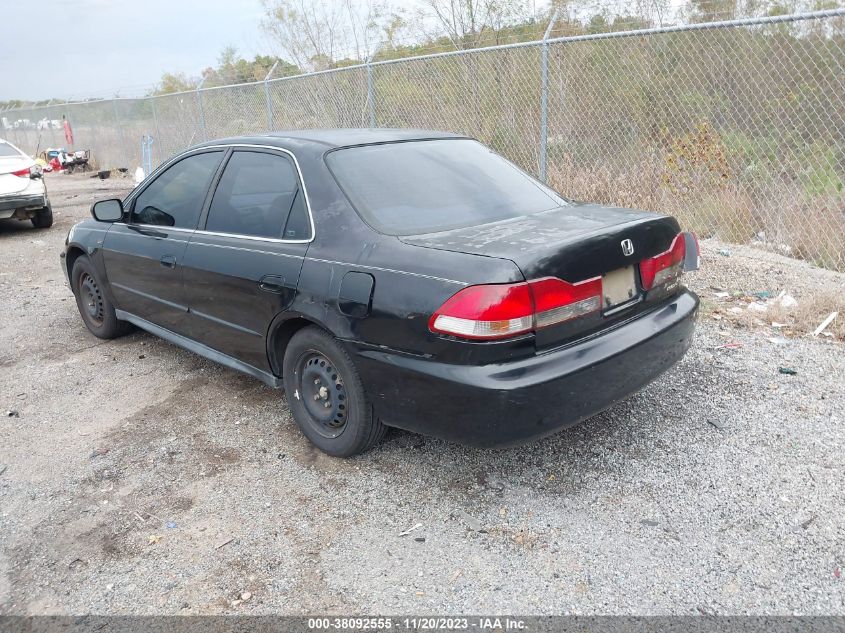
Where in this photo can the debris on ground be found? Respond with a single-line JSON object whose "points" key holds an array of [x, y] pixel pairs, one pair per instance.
{"points": [[823, 325], [788, 371], [786, 300], [805, 524], [12, 413], [716, 424], [153, 539], [724, 252], [411, 529], [472, 523]]}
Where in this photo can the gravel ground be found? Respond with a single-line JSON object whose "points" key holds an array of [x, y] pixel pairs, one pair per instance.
{"points": [[138, 478]]}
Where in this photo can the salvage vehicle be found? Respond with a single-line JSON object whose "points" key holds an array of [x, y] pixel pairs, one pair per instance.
{"points": [[399, 278], [23, 194]]}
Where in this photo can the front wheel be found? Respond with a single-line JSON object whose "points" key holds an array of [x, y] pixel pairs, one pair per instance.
{"points": [[326, 396], [95, 308]]}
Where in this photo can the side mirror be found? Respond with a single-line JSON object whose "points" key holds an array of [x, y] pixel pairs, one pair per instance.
{"points": [[107, 210]]}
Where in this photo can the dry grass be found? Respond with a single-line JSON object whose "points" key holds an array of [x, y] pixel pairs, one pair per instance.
{"points": [[785, 219], [803, 318]]}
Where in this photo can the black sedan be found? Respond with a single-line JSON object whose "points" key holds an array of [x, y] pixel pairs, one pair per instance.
{"points": [[399, 278]]}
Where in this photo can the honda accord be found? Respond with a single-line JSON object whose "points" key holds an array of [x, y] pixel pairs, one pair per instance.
{"points": [[400, 278]]}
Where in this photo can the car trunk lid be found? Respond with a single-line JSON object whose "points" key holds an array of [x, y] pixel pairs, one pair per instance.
{"points": [[574, 243], [10, 184]]}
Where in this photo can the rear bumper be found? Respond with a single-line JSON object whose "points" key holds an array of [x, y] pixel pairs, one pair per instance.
{"points": [[511, 403], [23, 200]]}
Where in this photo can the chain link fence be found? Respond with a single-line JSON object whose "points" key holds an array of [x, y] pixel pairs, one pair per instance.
{"points": [[737, 128]]}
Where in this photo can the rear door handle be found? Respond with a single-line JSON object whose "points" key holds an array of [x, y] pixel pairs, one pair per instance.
{"points": [[168, 261], [272, 283]]}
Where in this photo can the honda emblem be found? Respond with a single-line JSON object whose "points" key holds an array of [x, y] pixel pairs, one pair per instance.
{"points": [[627, 247]]}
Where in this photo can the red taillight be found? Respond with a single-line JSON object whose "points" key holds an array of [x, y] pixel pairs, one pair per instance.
{"points": [[486, 312], [22, 173], [664, 267], [556, 300], [500, 311]]}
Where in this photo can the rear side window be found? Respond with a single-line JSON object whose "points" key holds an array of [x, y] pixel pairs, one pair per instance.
{"points": [[258, 195], [8, 150], [176, 196], [428, 186]]}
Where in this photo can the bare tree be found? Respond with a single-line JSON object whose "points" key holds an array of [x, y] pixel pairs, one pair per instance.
{"points": [[466, 22], [317, 35]]}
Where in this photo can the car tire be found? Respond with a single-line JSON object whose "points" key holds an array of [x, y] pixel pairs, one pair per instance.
{"points": [[326, 396], [43, 218], [94, 306]]}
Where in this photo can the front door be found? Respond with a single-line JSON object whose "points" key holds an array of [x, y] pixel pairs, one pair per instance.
{"points": [[242, 267], [143, 257]]}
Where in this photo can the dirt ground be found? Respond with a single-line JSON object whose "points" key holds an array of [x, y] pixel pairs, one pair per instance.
{"points": [[138, 478]]}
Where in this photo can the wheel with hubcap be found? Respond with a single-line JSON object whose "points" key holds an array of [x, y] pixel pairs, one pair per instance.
{"points": [[326, 396], [94, 306]]}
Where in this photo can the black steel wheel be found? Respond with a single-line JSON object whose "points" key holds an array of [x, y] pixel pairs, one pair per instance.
{"points": [[326, 397], [94, 306], [323, 393], [92, 299]]}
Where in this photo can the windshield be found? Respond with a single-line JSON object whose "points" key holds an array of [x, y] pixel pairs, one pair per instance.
{"points": [[8, 150], [428, 186]]}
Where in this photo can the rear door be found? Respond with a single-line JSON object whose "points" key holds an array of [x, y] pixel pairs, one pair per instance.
{"points": [[143, 257], [242, 267]]}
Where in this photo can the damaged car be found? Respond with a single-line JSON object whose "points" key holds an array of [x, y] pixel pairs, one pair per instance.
{"points": [[403, 278], [23, 194]]}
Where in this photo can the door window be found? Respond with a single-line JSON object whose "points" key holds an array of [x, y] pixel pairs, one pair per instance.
{"points": [[175, 197], [255, 196]]}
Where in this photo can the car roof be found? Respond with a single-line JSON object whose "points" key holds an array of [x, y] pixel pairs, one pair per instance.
{"points": [[337, 137]]}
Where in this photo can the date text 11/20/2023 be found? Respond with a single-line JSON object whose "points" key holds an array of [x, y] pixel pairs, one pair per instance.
{"points": [[493, 623]]}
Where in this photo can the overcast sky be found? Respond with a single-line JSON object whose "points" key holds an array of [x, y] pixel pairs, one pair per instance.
{"points": [[66, 48]]}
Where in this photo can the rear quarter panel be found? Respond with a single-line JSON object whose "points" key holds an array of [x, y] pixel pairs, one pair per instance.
{"points": [[409, 282]]}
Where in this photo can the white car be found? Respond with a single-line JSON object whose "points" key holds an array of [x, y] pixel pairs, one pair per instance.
{"points": [[23, 194]]}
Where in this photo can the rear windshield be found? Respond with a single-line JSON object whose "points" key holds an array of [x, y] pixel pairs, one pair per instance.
{"points": [[8, 150], [428, 186]]}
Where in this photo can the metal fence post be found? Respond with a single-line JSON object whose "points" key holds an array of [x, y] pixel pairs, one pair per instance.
{"points": [[121, 140], [267, 101], [202, 112], [544, 96], [155, 121], [371, 90], [50, 123]]}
